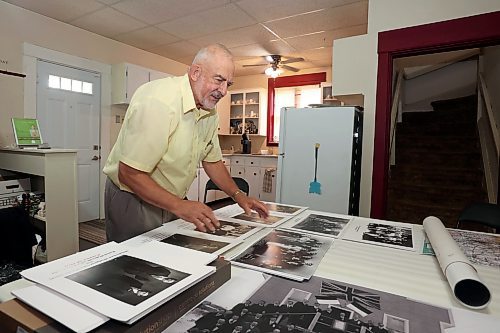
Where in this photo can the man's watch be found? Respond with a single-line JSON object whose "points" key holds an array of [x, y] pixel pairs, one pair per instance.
{"points": [[236, 193]]}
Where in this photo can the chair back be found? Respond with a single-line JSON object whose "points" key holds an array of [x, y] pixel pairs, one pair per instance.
{"points": [[483, 213], [240, 182]]}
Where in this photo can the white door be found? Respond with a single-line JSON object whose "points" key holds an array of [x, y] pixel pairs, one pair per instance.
{"points": [[68, 109]]}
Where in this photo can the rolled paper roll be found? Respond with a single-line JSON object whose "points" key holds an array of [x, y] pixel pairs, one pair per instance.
{"points": [[464, 281]]}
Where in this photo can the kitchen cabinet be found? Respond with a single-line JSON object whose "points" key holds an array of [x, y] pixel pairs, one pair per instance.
{"points": [[269, 165], [193, 192], [156, 75], [327, 95], [247, 112], [253, 169], [126, 78]]}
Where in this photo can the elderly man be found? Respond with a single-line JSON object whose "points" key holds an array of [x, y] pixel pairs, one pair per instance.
{"points": [[170, 126]]}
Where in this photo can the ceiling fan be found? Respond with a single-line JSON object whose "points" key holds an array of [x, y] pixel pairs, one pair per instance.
{"points": [[276, 62]]}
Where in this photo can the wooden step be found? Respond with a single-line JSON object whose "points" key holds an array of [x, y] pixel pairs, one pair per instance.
{"points": [[431, 143], [451, 159], [438, 129]]}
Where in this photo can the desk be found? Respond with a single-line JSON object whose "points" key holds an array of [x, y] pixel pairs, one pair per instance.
{"points": [[395, 271], [56, 168]]}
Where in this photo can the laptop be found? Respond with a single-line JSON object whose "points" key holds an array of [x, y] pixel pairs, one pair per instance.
{"points": [[27, 133]]}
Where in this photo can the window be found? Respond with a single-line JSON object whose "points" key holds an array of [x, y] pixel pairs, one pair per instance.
{"points": [[308, 95], [298, 97], [64, 83]]}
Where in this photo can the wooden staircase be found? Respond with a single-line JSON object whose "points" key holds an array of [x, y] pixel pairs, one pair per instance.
{"points": [[438, 167]]}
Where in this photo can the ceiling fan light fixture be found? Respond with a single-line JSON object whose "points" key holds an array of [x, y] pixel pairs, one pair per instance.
{"points": [[270, 71]]}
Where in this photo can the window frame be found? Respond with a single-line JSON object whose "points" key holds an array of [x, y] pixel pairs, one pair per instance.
{"points": [[283, 82]]}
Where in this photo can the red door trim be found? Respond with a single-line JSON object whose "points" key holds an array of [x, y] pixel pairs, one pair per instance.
{"points": [[281, 82], [468, 32]]}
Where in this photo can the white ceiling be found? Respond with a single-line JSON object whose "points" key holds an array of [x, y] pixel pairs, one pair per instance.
{"points": [[251, 29]]}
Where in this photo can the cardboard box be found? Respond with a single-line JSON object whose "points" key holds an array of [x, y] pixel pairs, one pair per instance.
{"points": [[16, 317]]}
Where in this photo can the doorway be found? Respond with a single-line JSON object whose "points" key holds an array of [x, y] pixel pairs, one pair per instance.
{"points": [[68, 109], [469, 32]]}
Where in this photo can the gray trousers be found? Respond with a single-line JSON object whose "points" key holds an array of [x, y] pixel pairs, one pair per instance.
{"points": [[128, 216]]}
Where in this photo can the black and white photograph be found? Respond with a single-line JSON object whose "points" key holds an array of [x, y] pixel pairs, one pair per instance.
{"points": [[128, 279], [315, 306], [254, 217], [233, 229], [285, 253], [383, 233], [284, 209], [195, 243], [322, 224], [389, 234]]}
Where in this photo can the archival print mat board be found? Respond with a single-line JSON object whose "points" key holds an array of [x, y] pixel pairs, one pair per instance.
{"points": [[285, 253], [384, 233], [56, 276], [236, 213], [71, 314], [312, 299], [284, 209], [27, 132], [318, 223], [162, 233], [229, 229]]}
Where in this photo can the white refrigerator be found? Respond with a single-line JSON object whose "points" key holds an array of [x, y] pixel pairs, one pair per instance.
{"points": [[319, 161]]}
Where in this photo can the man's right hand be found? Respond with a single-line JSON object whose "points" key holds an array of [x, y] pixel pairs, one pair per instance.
{"points": [[197, 213]]}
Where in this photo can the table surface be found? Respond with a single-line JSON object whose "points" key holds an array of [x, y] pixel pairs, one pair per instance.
{"points": [[401, 272]]}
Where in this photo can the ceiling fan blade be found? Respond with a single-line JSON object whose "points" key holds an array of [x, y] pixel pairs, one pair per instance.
{"points": [[289, 61], [290, 68], [254, 65]]}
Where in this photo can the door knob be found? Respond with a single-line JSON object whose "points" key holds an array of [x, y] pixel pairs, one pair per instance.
{"points": [[95, 158]]}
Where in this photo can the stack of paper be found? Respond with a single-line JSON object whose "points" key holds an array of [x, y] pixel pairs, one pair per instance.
{"points": [[112, 281]]}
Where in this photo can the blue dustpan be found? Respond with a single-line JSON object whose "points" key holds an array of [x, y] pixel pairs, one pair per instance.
{"points": [[315, 186]]}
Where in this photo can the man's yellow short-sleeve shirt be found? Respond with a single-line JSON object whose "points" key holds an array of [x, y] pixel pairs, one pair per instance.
{"points": [[165, 135]]}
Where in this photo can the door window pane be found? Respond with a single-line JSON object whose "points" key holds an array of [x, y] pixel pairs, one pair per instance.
{"points": [[65, 83], [76, 86], [54, 82], [87, 88]]}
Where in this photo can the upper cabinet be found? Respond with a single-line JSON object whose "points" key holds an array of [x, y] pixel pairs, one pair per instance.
{"points": [[126, 78], [327, 95], [246, 112], [155, 75]]}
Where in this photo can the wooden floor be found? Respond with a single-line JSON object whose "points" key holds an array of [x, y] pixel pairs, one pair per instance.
{"points": [[91, 233]]}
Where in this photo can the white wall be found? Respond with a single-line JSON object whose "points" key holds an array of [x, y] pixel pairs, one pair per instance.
{"points": [[491, 75], [20, 27], [456, 80], [355, 59]]}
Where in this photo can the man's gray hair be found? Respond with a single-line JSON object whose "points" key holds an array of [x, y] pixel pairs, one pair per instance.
{"points": [[208, 51]]}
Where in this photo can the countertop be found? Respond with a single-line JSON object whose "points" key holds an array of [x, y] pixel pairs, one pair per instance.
{"points": [[254, 155]]}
